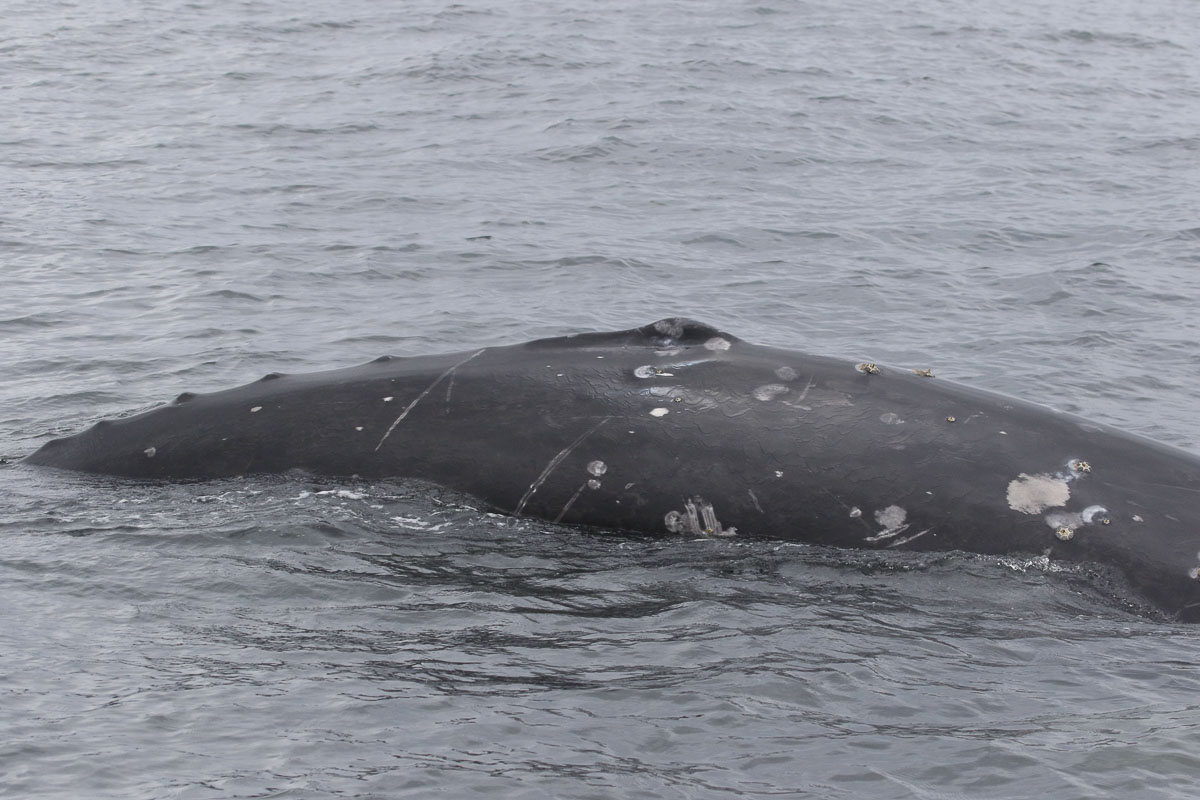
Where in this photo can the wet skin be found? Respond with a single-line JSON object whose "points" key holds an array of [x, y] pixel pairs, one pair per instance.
{"points": [[678, 428]]}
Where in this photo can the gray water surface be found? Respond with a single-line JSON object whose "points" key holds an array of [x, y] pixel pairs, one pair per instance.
{"points": [[194, 194]]}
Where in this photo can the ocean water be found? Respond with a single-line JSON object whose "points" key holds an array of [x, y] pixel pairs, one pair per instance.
{"points": [[193, 194]]}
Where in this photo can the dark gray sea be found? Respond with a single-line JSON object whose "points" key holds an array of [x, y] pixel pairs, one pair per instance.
{"points": [[195, 193]]}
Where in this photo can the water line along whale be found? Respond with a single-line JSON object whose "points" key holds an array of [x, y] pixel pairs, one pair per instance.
{"points": [[680, 428]]}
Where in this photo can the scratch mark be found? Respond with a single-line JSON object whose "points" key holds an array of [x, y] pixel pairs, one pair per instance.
{"points": [[571, 502], [807, 388], [1169, 486], [799, 401], [908, 539], [554, 462], [849, 508], [449, 389], [889, 533], [422, 395], [754, 497]]}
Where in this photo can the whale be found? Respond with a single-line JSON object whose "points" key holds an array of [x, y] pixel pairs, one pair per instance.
{"points": [[679, 428]]}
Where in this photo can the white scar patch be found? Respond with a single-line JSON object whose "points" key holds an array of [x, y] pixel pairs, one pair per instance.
{"points": [[769, 392], [892, 520], [1033, 494], [891, 517], [717, 344]]}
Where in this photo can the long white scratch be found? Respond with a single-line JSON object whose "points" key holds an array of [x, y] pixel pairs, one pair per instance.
{"points": [[422, 395], [449, 389], [850, 509], [808, 387], [799, 401], [571, 502], [554, 462], [908, 539], [1169, 486], [888, 533]]}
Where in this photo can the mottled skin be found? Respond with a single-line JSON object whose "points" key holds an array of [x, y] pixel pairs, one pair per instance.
{"points": [[678, 427]]}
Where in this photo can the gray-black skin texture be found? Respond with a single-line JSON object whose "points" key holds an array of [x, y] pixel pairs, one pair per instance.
{"points": [[678, 428]]}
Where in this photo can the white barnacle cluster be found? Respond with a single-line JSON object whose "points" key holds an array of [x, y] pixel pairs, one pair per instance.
{"points": [[698, 518]]}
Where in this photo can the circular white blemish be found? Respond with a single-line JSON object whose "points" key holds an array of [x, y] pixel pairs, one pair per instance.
{"points": [[593, 484], [786, 374], [1033, 494], [660, 412], [388, 399], [778, 473], [597, 468], [256, 409], [717, 344], [1138, 518], [769, 392], [358, 427], [1089, 514], [891, 418], [150, 451], [855, 512], [1194, 573], [646, 371]]}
